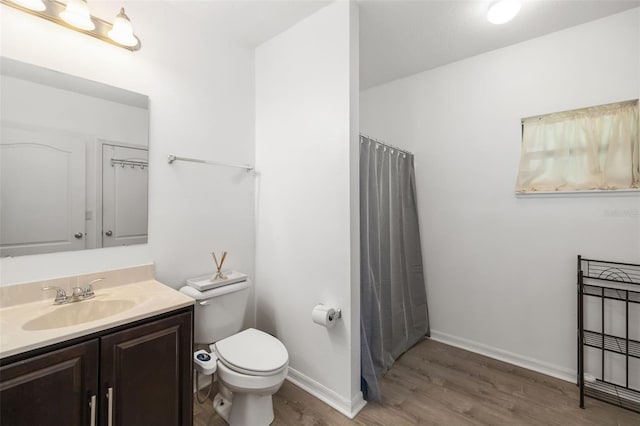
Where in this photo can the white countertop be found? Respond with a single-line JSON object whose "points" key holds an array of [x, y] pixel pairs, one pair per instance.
{"points": [[150, 298]]}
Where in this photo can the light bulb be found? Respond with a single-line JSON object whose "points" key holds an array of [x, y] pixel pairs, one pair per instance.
{"points": [[503, 11], [122, 31], [77, 14], [37, 5]]}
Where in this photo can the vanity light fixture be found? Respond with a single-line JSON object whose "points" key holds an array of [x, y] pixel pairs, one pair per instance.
{"points": [[77, 14], [122, 31], [502, 11], [74, 14]]}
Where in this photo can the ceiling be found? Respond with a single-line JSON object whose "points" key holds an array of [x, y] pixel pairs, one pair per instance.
{"points": [[250, 22], [399, 38]]}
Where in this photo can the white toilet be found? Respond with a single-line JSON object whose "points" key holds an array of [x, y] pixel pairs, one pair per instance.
{"points": [[251, 364]]}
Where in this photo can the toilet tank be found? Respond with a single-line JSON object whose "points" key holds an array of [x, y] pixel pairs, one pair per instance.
{"points": [[219, 312]]}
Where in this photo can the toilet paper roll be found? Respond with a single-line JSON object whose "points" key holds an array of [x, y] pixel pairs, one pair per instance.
{"points": [[324, 316]]}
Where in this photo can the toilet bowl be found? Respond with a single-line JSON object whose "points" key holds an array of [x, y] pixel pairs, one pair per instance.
{"points": [[251, 364]]}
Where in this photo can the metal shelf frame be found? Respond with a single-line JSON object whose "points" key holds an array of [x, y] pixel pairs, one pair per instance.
{"points": [[619, 282]]}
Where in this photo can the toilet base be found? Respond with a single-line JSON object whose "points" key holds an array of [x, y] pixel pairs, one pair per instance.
{"points": [[245, 409], [222, 406]]}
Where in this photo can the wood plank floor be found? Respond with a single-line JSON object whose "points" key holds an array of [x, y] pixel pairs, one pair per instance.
{"points": [[437, 384]]}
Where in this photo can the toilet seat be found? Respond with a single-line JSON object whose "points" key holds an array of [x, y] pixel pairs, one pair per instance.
{"points": [[252, 352]]}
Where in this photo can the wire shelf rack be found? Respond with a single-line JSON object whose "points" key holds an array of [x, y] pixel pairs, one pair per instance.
{"points": [[610, 286]]}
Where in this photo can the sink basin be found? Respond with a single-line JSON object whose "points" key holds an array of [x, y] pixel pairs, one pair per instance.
{"points": [[78, 313]]}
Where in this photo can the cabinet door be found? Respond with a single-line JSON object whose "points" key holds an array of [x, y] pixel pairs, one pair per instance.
{"points": [[52, 389], [147, 371]]}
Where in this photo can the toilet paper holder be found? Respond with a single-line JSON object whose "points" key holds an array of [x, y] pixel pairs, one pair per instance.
{"points": [[325, 316], [338, 313]]}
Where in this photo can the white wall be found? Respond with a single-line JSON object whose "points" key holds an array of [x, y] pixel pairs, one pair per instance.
{"points": [[500, 270], [200, 86], [306, 133]]}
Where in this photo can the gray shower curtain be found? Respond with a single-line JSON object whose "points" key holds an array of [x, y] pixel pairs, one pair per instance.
{"points": [[393, 299]]}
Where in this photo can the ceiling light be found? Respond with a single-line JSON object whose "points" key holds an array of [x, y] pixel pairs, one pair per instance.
{"points": [[77, 14], [503, 11], [122, 31], [36, 5]]}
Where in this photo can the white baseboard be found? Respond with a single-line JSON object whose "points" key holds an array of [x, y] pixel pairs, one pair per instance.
{"points": [[510, 357], [347, 407]]}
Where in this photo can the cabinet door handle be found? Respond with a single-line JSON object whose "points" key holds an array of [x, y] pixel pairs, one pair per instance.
{"points": [[110, 409], [92, 404]]}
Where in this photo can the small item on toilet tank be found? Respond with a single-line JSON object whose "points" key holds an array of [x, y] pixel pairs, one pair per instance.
{"points": [[325, 315], [219, 275]]}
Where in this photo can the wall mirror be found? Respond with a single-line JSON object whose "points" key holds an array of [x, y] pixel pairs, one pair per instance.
{"points": [[73, 162]]}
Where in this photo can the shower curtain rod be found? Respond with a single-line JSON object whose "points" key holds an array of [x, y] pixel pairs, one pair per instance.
{"points": [[388, 145]]}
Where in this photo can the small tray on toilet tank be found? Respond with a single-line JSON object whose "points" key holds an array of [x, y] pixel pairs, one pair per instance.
{"points": [[206, 282]]}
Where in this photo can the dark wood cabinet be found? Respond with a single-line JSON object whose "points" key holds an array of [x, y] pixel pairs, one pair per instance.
{"points": [[139, 374], [51, 389], [147, 373]]}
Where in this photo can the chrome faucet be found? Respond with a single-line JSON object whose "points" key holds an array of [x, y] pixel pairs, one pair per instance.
{"points": [[88, 292], [61, 295], [78, 293]]}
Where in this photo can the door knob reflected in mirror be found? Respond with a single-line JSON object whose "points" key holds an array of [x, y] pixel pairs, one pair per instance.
{"points": [[78, 235], [108, 233]]}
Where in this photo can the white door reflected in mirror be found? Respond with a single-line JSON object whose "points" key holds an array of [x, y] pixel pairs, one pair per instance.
{"points": [[124, 195], [42, 206]]}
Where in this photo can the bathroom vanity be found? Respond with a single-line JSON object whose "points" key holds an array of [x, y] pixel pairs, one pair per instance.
{"points": [[61, 366], [121, 355]]}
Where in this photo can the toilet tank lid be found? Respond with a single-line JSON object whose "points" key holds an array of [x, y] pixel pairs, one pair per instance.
{"points": [[207, 282], [220, 291]]}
